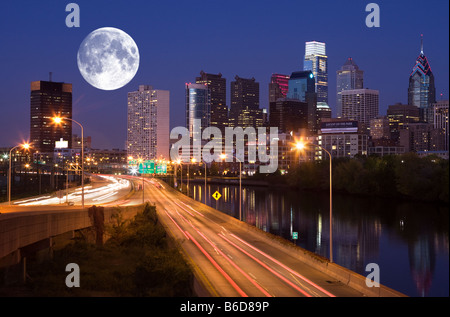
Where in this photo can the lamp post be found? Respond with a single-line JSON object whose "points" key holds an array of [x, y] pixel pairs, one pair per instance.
{"points": [[143, 183], [25, 146], [193, 161], [58, 120], [223, 156], [301, 146]]}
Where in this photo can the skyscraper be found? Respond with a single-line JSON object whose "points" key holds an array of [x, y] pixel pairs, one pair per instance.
{"points": [[289, 115], [218, 93], [361, 105], [347, 78], [440, 121], [316, 61], [244, 109], [49, 99], [278, 87], [302, 88], [421, 90], [148, 123], [198, 108]]}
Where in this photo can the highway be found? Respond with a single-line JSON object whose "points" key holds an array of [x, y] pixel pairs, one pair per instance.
{"points": [[103, 190], [230, 258]]}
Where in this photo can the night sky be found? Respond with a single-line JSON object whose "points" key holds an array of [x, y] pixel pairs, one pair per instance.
{"points": [[178, 39]]}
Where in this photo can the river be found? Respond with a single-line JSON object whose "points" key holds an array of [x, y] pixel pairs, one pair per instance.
{"points": [[409, 241]]}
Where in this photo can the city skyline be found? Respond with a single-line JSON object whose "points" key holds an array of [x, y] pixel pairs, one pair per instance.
{"points": [[176, 60]]}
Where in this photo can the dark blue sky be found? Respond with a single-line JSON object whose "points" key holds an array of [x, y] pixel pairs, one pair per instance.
{"points": [[178, 39]]}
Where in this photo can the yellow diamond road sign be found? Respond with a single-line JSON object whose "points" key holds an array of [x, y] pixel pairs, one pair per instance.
{"points": [[216, 195]]}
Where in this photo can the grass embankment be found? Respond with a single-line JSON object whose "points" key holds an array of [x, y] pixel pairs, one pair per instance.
{"points": [[138, 259]]}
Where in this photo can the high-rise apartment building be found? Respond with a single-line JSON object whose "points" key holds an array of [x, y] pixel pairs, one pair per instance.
{"points": [[361, 105], [421, 90], [218, 94], [244, 108], [349, 77], [148, 123], [47, 100], [316, 61], [278, 87]]}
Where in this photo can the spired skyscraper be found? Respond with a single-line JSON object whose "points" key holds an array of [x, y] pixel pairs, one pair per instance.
{"points": [[421, 90], [316, 61], [349, 77]]}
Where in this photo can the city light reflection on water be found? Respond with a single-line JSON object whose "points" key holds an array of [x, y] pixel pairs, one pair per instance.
{"points": [[408, 240]]}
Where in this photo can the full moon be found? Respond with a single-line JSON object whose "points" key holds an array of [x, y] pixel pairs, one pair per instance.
{"points": [[108, 58]]}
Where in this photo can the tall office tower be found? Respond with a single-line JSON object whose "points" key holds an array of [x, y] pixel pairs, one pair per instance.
{"points": [[399, 116], [316, 61], [302, 87], [198, 108], [440, 121], [347, 78], [49, 99], [278, 87], [244, 109], [289, 115], [361, 105], [148, 123], [218, 91], [421, 90]]}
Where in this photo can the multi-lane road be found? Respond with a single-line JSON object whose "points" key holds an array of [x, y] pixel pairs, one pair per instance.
{"points": [[229, 257]]}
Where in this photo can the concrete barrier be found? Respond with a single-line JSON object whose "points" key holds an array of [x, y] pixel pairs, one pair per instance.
{"points": [[18, 230]]}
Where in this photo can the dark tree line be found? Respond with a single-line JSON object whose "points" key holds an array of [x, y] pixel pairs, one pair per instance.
{"points": [[407, 175]]}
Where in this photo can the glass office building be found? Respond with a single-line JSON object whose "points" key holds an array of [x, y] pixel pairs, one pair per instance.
{"points": [[316, 61], [302, 87], [421, 90], [349, 77]]}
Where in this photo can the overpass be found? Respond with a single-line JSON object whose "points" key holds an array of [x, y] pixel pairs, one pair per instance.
{"points": [[229, 258]]}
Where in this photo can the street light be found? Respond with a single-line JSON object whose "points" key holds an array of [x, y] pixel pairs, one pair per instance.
{"points": [[140, 160], [301, 146], [25, 146], [224, 156], [193, 161], [58, 120]]}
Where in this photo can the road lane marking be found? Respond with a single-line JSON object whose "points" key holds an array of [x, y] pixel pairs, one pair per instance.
{"points": [[267, 267], [235, 266], [285, 267], [217, 266]]}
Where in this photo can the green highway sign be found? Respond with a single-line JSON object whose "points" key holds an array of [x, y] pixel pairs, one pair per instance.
{"points": [[295, 235]]}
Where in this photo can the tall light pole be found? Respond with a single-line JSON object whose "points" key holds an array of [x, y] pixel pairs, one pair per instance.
{"points": [[301, 146], [143, 184], [24, 146], [58, 120], [224, 156], [193, 161]]}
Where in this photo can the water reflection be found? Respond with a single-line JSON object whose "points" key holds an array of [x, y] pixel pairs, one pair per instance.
{"points": [[365, 230]]}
